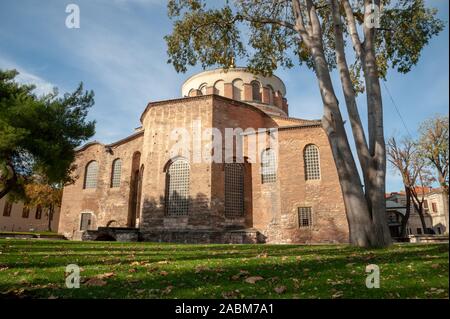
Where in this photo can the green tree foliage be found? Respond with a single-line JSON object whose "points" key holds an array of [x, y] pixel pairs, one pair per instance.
{"points": [[323, 35], [265, 34], [433, 144], [38, 134]]}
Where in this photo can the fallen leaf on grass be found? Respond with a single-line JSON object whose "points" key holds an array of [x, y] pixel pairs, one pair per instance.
{"points": [[435, 266], [105, 275], [167, 290], [231, 294], [96, 282], [337, 294], [163, 273], [253, 279], [280, 289], [242, 273], [199, 269]]}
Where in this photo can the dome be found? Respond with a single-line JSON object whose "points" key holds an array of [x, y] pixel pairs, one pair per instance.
{"points": [[267, 93]]}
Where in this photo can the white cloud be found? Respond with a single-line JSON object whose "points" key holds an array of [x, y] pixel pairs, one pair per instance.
{"points": [[42, 86]]}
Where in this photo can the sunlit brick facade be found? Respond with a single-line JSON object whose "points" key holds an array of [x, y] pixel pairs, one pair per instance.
{"points": [[174, 197]]}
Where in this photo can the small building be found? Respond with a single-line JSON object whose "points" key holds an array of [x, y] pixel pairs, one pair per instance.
{"points": [[435, 211], [395, 214], [16, 217]]}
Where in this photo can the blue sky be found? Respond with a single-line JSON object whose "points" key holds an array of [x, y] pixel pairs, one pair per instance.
{"points": [[119, 52]]}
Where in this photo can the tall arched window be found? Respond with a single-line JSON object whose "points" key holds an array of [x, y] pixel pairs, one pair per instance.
{"points": [[90, 175], [202, 89], [312, 162], [271, 94], [256, 91], [238, 89], [219, 88], [234, 189], [116, 172], [177, 188], [268, 166]]}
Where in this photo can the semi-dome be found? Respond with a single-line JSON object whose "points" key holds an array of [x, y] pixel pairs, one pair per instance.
{"points": [[267, 93]]}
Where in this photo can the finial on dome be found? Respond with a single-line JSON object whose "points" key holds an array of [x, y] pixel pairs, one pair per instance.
{"points": [[232, 63]]}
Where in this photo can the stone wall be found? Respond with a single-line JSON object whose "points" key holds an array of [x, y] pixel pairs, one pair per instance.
{"points": [[105, 203]]}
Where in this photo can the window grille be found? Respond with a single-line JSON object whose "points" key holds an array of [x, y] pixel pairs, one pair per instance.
{"points": [[256, 91], [177, 198], [268, 166], [91, 174], [116, 173], [304, 217], [312, 163], [234, 190]]}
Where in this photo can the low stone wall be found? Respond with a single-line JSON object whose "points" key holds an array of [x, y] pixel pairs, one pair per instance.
{"points": [[242, 236], [111, 234], [428, 239], [31, 236]]}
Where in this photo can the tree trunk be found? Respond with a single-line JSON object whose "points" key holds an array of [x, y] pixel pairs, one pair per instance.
{"points": [[418, 206], [422, 218], [445, 194], [51, 210], [366, 213], [361, 230], [405, 218], [9, 184]]}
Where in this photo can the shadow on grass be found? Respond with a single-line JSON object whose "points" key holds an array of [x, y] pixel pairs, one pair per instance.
{"points": [[314, 272]]}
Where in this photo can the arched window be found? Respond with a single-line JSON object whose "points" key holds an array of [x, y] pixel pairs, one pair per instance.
{"points": [[268, 166], [271, 94], [90, 175], [219, 88], [238, 89], [116, 172], [234, 189], [177, 188], [256, 91], [312, 162], [202, 89]]}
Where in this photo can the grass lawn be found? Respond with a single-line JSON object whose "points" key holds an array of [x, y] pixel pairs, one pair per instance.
{"points": [[35, 268]]}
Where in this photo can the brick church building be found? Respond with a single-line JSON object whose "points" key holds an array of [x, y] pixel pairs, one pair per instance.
{"points": [[287, 193]]}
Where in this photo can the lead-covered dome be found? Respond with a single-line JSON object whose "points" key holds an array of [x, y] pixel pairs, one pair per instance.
{"points": [[267, 93]]}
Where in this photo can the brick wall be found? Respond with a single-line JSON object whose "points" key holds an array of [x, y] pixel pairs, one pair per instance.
{"points": [[270, 208]]}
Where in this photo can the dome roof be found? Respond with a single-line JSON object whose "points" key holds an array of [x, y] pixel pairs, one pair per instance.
{"points": [[267, 93]]}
